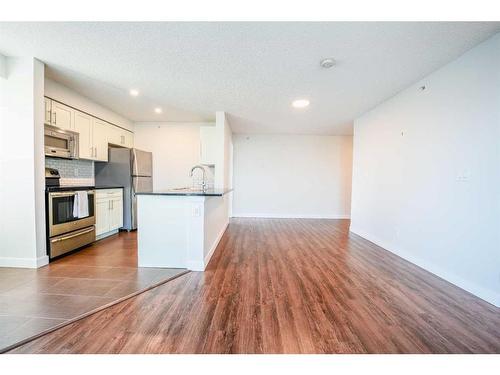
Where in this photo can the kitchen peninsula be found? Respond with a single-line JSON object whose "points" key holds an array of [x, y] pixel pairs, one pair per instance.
{"points": [[180, 228]]}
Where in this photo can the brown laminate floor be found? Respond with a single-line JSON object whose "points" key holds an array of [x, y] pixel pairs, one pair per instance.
{"points": [[290, 286], [33, 301]]}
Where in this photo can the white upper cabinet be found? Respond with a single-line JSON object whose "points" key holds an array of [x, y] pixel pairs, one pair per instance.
{"points": [[83, 126], [100, 139], [94, 134], [62, 116], [48, 111], [120, 137], [129, 139], [208, 146]]}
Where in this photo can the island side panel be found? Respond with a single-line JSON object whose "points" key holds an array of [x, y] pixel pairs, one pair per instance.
{"points": [[215, 224], [162, 231], [195, 233]]}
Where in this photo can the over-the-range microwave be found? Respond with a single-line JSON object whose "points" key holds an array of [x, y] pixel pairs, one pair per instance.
{"points": [[61, 143]]}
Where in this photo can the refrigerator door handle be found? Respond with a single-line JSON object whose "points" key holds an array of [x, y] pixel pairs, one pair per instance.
{"points": [[135, 168]]}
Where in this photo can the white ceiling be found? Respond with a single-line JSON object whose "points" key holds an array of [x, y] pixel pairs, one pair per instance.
{"points": [[250, 70]]}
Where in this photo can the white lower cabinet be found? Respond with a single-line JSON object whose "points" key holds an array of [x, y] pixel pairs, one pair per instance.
{"points": [[109, 211]]}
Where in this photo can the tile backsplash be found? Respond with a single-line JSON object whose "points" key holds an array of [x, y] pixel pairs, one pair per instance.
{"points": [[73, 171]]}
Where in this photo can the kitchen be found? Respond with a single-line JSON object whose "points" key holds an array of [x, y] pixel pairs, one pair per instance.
{"points": [[94, 160], [92, 176]]}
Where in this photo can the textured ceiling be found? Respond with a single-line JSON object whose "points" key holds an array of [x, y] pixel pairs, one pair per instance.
{"points": [[251, 70]]}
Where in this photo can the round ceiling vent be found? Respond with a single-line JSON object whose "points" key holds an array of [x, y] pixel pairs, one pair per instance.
{"points": [[327, 63]]}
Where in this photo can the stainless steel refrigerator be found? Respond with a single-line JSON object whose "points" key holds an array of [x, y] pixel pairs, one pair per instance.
{"points": [[132, 169]]}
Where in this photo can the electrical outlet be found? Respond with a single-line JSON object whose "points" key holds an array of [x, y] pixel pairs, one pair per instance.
{"points": [[463, 176], [196, 211]]}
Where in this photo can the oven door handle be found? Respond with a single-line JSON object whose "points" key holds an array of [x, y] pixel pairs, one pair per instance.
{"points": [[72, 236], [89, 192]]}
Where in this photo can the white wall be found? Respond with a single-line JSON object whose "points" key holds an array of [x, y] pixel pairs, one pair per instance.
{"points": [[426, 178], [22, 220], [67, 96], [175, 148], [3, 66], [292, 176]]}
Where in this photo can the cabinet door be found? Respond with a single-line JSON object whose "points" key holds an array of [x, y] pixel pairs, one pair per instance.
{"points": [[48, 111], [116, 214], [102, 216], [129, 139], [115, 135], [83, 126], [100, 138], [208, 147], [62, 116]]}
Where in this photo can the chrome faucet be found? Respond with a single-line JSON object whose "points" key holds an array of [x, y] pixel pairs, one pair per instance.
{"points": [[203, 184]]}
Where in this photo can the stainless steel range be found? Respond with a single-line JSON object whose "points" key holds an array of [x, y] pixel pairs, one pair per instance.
{"points": [[65, 230]]}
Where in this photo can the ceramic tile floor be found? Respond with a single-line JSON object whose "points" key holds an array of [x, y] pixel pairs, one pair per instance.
{"points": [[34, 301]]}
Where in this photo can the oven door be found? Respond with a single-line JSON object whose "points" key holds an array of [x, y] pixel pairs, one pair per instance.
{"points": [[61, 219]]}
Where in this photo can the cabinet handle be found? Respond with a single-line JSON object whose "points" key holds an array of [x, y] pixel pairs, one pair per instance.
{"points": [[95, 151], [55, 118]]}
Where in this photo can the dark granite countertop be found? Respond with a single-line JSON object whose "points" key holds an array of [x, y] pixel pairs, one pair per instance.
{"points": [[108, 187], [189, 192]]}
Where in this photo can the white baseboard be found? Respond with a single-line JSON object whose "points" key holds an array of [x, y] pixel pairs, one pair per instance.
{"points": [[487, 295], [24, 262], [42, 261], [107, 234], [195, 266], [292, 216]]}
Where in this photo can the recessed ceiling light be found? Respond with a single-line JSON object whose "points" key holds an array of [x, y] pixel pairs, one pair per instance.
{"points": [[300, 103], [158, 110], [133, 92], [327, 63]]}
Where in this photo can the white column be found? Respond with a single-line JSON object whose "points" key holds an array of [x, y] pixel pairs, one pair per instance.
{"points": [[22, 223]]}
